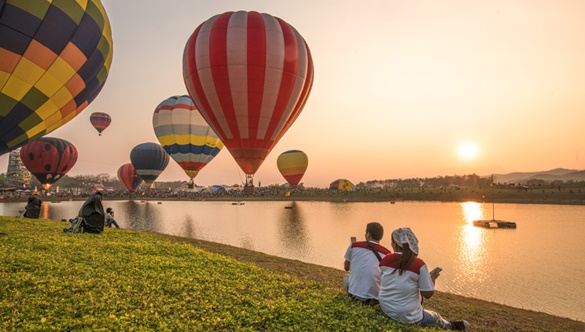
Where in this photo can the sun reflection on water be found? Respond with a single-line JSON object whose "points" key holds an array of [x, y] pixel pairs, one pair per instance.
{"points": [[472, 211], [472, 244], [44, 211]]}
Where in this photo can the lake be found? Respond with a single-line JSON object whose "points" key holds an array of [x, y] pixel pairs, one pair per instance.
{"points": [[539, 266]]}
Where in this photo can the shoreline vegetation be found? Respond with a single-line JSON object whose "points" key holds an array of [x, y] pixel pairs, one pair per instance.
{"points": [[562, 195], [131, 280]]}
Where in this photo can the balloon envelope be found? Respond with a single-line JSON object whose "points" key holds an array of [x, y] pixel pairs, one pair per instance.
{"points": [[342, 185], [129, 178], [213, 190], [149, 160], [292, 165], [250, 75], [184, 134], [54, 60], [48, 159], [100, 121]]}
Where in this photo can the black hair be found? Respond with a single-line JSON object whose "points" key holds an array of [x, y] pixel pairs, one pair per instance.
{"points": [[376, 230]]}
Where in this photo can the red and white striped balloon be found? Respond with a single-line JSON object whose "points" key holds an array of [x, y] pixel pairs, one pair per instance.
{"points": [[250, 75]]}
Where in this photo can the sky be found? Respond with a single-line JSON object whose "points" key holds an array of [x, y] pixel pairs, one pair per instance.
{"points": [[399, 88]]}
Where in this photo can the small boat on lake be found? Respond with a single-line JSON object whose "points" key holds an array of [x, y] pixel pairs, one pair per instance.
{"points": [[494, 223]]}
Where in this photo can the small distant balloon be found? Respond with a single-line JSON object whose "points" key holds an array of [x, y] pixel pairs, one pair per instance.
{"points": [[48, 159], [342, 185], [55, 57], [184, 134], [100, 121], [128, 176], [215, 189], [292, 165], [149, 161]]}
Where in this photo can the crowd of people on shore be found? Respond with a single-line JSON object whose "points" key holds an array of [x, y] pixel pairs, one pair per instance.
{"points": [[271, 191], [397, 281]]}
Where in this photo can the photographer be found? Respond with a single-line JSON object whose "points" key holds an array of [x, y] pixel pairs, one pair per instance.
{"points": [[110, 218]]}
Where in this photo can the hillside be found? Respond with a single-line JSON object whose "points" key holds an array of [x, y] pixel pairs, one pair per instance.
{"points": [[562, 174]]}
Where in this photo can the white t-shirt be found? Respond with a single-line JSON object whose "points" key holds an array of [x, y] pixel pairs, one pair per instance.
{"points": [[400, 294], [364, 272]]}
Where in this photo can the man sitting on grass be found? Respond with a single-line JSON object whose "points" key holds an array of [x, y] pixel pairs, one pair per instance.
{"points": [[362, 259]]}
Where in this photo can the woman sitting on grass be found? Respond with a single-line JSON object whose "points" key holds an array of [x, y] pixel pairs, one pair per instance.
{"points": [[405, 278]]}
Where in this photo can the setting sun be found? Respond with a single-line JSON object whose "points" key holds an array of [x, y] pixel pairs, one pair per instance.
{"points": [[468, 151]]}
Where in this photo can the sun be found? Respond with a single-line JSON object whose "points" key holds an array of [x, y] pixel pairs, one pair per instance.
{"points": [[468, 151]]}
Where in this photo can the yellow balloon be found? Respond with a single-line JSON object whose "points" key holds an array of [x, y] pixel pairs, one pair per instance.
{"points": [[292, 165]]}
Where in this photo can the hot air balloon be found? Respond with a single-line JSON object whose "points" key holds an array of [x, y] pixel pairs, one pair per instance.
{"points": [[213, 190], [342, 185], [250, 75], [48, 159], [55, 58], [129, 178], [292, 165], [149, 160], [184, 134], [100, 121]]}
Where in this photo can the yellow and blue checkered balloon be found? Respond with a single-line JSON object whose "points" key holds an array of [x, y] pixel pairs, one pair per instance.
{"points": [[55, 56]]}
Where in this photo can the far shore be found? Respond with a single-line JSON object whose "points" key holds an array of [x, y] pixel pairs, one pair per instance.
{"points": [[343, 198]]}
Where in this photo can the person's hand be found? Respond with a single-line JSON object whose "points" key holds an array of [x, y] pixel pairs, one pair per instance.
{"points": [[434, 274]]}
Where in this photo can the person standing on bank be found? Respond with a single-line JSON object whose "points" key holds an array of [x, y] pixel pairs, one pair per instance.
{"points": [[110, 218], [362, 260], [406, 280]]}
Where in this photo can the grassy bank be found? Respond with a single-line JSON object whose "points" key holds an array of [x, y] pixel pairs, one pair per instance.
{"points": [[127, 280]]}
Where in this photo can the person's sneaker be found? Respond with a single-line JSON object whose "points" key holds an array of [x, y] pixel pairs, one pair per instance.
{"points": [[459, 324]]}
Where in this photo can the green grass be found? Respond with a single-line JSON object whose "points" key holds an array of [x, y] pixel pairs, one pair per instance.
{"points": [[138, 281], [125, 280]]}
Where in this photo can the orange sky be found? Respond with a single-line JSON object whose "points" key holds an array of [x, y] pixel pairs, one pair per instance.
{"points": [[399, 87]]}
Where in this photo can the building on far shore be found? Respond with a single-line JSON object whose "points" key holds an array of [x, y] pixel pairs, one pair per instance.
{"points": [[17, 175]]}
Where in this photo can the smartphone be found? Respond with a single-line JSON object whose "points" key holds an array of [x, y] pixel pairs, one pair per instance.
{"points": [[438, 269], [353, 239]]}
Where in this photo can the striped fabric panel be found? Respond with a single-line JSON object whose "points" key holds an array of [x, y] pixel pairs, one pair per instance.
{"points": [[149, 175], [290, 171]]}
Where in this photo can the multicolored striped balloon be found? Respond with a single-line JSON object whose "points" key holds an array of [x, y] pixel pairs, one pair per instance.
{"points": [[184, 134], [149, 161], [54, 60], [292, 165], [250, 75], [100, 121], [128, 177]]}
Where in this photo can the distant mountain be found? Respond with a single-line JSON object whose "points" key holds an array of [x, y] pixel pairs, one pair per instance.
{"points": [[549, 176]]}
